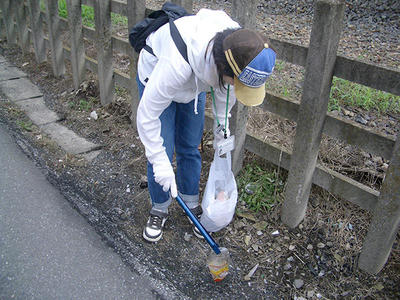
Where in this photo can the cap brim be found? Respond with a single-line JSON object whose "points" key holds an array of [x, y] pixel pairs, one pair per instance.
{"points": [[247, 95]]}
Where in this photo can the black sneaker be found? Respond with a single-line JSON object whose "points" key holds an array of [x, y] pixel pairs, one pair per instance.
{"points": [[197, 211], [153, 230]]}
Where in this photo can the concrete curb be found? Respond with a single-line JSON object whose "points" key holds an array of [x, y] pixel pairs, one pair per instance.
{"points": [[21, 91]]}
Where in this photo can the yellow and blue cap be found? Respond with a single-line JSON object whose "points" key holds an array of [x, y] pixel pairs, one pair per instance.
{"points": [[252, 61]]}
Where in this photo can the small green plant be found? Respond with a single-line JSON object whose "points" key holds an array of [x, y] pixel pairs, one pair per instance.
{"points": [[71, 105], [279, 66], [27, 126], [84, 105], [120, 91], [258, 188], [88, 16], [62, 8], [344, 92], [118, 19], [333, 104], [286, 92]]}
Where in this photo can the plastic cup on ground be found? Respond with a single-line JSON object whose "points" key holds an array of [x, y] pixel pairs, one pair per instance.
{"points": [[218, 264]]}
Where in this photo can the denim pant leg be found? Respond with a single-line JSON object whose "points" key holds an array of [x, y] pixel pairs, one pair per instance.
{"points": [[189, 130], [160, 199]]}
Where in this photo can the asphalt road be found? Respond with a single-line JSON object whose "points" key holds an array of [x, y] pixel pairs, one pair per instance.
{"points": [[48, 250]]}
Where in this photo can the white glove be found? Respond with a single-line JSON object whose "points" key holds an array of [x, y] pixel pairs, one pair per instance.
{"points": [[164, 175]]}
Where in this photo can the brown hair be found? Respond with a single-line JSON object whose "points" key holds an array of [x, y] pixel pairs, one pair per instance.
{"points": [[222, 64]]}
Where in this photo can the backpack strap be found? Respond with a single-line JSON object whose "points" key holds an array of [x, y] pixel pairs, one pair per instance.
{"points": [[148, 49], [178, 40]]}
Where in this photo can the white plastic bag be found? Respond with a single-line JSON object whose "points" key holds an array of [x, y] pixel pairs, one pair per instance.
{"points": [[220, 195]]}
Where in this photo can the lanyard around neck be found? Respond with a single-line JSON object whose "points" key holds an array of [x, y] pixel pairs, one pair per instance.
{"points": [[226, 110]]}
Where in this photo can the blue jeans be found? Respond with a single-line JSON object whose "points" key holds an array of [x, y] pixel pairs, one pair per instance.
{"points": [[181, 130]]}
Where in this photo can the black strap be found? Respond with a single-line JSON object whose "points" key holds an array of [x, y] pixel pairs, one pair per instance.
{"points": [[148, 49], [179, 42]]}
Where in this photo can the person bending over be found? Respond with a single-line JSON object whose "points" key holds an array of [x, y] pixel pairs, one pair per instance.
{"points": [[230, 62]]}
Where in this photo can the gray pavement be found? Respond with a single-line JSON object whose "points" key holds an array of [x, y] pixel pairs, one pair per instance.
{"points": [[21, 91], [47, 250]]}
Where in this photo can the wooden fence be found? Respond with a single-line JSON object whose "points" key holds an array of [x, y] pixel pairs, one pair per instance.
{"points": [[321, 63]]}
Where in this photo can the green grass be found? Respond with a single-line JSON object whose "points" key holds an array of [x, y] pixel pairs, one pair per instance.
{"points": [[83, 104], [267, 188], [62, 8], [279, 66], [87, 14], [117, 19], [121, 91], [27, 126], [347, 93]]}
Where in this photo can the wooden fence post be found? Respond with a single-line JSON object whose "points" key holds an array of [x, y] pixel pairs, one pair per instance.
{"points": [[105, 72], [56, 46], [7, 10], [74, 8], [135, 12], [37, 31], [23, 33], [3, 27], [244, 13], [324, 41], [386, 219]]}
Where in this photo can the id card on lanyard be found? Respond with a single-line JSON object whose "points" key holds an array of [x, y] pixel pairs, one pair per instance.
{"points": [[228, 143]]}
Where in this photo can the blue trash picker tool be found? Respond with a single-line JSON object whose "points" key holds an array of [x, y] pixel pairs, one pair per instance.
{"points": [[218, 263], [200, 227]]}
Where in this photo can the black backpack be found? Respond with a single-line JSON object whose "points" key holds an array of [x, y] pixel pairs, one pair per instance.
{"points": [[168, 13]]}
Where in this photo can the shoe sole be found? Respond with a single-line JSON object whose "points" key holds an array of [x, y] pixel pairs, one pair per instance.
{"points": [[156, 239], [149, 239], [198, 235]]}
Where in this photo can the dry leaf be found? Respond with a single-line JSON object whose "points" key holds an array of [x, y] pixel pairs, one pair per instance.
{"points": [[239, 224], [248, 216], [338, 257], [251, 273], [260, 225], [379, 286], [247, 239]]}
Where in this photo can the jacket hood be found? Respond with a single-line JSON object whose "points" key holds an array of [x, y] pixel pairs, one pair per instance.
{"points": [[207, 24]]}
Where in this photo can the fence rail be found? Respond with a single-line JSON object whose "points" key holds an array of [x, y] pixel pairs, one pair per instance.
{"points": [[310, 114], [371, 75]]}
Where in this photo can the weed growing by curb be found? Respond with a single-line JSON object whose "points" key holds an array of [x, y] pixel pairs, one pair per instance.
{"points": [[27, 126], [258, 188]]}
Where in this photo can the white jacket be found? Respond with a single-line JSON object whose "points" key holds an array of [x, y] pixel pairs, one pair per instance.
{"points": [[171, 78]]}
